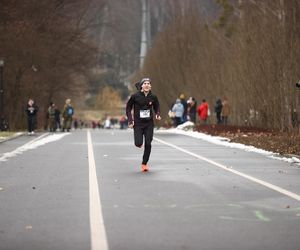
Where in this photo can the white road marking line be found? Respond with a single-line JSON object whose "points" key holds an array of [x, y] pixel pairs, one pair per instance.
{"points": [[21, 149], [98, 234], [261, 182], [36, 139]]}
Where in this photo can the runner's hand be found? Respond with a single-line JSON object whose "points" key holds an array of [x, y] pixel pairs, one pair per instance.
{"points": [[157, 117], [131, 124]]}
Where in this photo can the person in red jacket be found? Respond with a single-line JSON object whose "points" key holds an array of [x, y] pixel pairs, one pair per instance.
{"points": [[203, 110]]}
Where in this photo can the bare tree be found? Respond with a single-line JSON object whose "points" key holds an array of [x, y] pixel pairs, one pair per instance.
{"points": [[46, 50], [249, 55]]}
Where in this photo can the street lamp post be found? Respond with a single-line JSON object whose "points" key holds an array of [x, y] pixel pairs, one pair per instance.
{"points": [[2, 119]]}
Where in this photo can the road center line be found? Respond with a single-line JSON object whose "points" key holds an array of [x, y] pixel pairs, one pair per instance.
{"points": [[98, 234], [261, 182]]}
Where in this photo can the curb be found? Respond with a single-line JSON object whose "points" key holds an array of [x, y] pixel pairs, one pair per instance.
{"points": [[16, 135], [292, 155]]}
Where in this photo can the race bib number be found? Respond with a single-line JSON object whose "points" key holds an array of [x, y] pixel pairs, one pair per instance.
{"points": [[145, 113]]}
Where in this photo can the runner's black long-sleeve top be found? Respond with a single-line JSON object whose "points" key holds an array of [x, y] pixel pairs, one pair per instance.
{"points": [[143, 107]]}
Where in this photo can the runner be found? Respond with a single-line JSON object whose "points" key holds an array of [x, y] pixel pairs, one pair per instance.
{"points": [[143, 102]]}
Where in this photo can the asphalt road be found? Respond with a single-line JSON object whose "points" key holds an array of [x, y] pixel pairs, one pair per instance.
{"points": [[84, 190]]}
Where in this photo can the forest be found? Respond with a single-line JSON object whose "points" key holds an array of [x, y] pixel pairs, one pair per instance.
{"points": [[88, 50], [248, 55]]}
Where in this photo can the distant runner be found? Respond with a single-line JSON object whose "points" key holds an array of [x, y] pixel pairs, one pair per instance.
{"points": [[143, 103]]}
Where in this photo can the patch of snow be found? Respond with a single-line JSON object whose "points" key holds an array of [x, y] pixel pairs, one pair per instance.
{"points": [[37, 142], [186, 126], [226, 142]]}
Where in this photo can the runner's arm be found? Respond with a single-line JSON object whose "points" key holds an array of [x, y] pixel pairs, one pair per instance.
{"points": [[129, 107], [156, 109]]}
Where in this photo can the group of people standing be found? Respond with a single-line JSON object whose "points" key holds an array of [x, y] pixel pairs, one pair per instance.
{"points": [[53, 114], [54, 118], [183, 111]]}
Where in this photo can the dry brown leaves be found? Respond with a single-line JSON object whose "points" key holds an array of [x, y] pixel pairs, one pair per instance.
{"points": [[274, 141]]}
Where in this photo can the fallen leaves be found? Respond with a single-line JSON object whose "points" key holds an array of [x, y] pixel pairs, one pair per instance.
{"points": [[274, 141]]}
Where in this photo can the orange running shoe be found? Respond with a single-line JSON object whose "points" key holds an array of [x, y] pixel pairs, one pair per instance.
{"points": [[145, 168]]}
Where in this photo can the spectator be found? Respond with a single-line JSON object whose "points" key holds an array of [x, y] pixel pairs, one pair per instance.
{"points": [[185, 106], [123, 122], [31, 111], [225, 111], [203, 110], [94, 124], [218, 110], [171, 115], [178, 109], [51, 117], [107, 123], [57, 118], [68, 113], [81, 123], [4, 126], [75, 123], [191, 109]]}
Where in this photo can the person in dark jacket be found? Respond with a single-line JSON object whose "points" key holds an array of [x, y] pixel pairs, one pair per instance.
{"points": [[192, 109], [145, 106], [218, 110], [57, 118], [31, 111]]}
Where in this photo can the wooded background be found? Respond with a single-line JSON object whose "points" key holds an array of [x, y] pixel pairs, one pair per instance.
{"points": [[250, 56], [46, 53], [88, 50]]}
